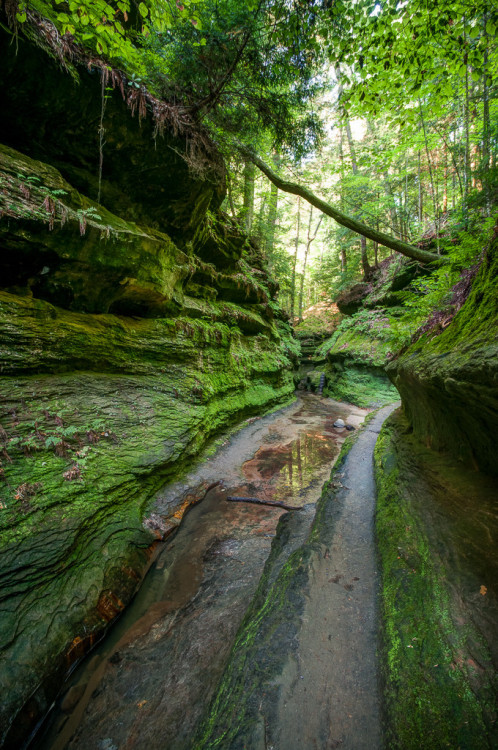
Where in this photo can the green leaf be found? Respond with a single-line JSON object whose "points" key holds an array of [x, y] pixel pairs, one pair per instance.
{"points": [[143, 10]]}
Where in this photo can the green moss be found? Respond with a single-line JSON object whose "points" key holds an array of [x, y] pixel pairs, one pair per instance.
{"points": [[113, 378], [98, 412], [355, 346], [438, 677], [447, 379], [367, 387]]}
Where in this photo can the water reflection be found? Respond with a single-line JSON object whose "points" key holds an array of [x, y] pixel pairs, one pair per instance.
{"points": [[288, 471]]}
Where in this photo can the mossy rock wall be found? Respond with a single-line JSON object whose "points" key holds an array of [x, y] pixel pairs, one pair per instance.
{"points": [[354, 369], [448, 380], [436, 534], [130, 333], [54, 116]]}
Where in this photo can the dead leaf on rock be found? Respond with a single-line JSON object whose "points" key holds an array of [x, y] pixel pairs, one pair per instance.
{"points": [[141, 703], [483, 590]]}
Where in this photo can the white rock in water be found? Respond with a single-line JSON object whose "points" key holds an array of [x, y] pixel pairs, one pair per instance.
{"points": [[339, 423]]}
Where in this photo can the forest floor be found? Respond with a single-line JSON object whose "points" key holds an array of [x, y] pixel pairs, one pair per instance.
{"points": [[152, 679]]}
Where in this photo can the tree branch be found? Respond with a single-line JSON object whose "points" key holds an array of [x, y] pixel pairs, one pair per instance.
{"points": [[411, 251]]}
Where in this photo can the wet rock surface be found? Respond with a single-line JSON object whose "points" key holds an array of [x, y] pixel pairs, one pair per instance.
{"points": [[161, 663], [303, 671]]}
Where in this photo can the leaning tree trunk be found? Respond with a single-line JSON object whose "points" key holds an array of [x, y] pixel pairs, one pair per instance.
{"points": [[411, 251]]}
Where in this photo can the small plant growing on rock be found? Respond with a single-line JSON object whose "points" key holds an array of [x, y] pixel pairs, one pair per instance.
{"points": [[84, 215], [74, 472], [24, 493]]}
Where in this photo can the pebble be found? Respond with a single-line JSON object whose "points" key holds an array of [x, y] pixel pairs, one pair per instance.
{"points": [[72, 697], [339, 423]]}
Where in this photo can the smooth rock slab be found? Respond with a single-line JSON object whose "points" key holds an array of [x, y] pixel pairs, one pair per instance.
{"points": [[303, 671]]}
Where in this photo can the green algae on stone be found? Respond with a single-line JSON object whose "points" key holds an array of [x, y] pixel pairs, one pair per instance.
{"points": [[98, 411], [368, 387], [132, 332], [438, 604], [120, 437]]}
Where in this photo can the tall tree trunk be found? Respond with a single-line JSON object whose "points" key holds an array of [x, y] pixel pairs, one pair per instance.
{"points": [[249, 173], [309, 240], [367, 271], [466, 147], [230, 196], [272, 219], [376, 244], [433, 189], [294, 263], [486, 78], [395, 221], [445, 186], [420, 192], [261, 216], [389, 194], [344, 259]]}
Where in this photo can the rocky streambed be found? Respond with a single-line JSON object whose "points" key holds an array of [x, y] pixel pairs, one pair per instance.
{"points": [[149, 683]]}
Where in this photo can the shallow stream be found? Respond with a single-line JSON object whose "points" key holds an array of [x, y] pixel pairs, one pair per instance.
{"points": [[149, 681]]}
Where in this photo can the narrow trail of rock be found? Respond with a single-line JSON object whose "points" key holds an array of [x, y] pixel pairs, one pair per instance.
{"points": [[303, 673], [152, 679], [330, 691]]}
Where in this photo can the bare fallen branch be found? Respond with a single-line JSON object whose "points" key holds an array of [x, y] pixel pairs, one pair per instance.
{"points": [[257, 501]]}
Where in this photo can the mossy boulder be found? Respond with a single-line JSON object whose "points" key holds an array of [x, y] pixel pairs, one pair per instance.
{"points": [[356, 355], [448, 378], [351, 299], [390, 281]]}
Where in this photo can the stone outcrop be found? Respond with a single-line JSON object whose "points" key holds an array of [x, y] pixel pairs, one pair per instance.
{"points": [[436, 464], [355, 356], [354, 360], [131, 331], [448, 379]]}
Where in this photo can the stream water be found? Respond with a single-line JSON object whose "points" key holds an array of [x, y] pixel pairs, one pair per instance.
{"points": [[149, 681]]}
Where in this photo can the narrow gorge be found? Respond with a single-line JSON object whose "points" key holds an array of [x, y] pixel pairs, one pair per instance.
{"points": [[148, 366]]}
